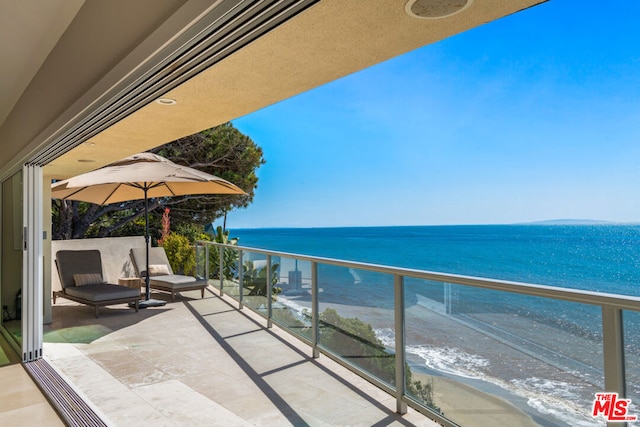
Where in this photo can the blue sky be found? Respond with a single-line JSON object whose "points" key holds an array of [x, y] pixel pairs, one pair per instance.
{"points": [[535, 116]]}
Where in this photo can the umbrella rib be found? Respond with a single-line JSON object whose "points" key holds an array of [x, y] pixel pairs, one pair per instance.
{"points": [[170, 190], [139, 186], [110, 194], [74, 193], [150, 186]]}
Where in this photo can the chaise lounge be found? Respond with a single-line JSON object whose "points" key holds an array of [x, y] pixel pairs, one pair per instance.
{"points": [[82, 281], [161, 276]]}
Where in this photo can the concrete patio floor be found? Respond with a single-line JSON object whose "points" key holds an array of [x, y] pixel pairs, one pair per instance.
{"points": [[21, 401], [204, 362]]}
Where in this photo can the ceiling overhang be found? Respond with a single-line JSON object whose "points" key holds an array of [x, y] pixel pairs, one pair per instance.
{"points": [[312, 44], [30, 32]]}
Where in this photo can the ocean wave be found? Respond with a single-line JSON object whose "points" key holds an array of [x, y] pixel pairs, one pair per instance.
{"points": [[301, 312], [448, 360], [557, 399], [356, 277], [451, 360]]}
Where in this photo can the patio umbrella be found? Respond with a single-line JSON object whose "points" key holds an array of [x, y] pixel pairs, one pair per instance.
{"points": [[141, 176]]}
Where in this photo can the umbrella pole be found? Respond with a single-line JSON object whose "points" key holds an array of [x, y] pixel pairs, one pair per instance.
{"points": [[148, 302], [146, 241]]}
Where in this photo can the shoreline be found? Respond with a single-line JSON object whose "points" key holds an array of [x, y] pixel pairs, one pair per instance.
{"points": [[464, 403], [491, 373]]}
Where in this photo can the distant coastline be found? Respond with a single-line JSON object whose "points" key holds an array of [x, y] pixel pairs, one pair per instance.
{"points": [[574, 222], [536, 354]]}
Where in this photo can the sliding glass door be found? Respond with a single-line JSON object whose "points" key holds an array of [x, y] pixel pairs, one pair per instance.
{"points": [[12, 255]]}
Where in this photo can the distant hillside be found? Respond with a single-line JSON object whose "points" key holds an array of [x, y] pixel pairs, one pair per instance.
{"points": [[572, 222]]}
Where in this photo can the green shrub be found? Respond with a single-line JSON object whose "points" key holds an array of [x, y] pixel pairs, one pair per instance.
{"points": [[255, 279], [356, 341], [181, 254], [230, 256], [192, 232]]}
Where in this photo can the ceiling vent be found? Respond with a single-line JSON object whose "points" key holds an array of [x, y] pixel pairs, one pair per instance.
{"points": [[434, 9]]}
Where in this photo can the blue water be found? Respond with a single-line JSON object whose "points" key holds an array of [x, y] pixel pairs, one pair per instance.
{"points": [[603, 258]]}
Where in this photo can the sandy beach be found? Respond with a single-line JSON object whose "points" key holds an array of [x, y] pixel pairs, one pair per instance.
{"points": [[513, 380], [471, 408], [459, 402]]}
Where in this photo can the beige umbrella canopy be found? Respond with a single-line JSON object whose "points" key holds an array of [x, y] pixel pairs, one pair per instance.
{"points": [[140, 176]]}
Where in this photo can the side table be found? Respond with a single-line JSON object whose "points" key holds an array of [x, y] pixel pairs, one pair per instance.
{"points": [[130, 282]]}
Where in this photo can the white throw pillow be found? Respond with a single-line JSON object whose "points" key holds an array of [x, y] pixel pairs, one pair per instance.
{"points": [[86, 279], [158, 270]]}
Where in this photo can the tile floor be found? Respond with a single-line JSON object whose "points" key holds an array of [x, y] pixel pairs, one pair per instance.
{"points": [[203, 362], [21, 402]]}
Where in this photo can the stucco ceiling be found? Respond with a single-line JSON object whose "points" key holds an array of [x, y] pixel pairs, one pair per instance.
{"points": [[330, 39], [29, 30]]}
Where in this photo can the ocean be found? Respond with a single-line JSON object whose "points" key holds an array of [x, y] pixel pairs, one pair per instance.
{"points": [[557, 345], [603, 258]]}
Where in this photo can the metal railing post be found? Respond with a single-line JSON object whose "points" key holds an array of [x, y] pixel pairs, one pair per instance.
{"points": [[315, 308], [401, 358], [613, 353], [269, 293], [613, 309], [206, 262], [221, 266], [613, 350], [240, 279], [447, 298]]}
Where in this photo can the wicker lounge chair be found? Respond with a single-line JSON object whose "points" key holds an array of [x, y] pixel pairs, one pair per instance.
{"points": [[161, 277], [82, 281]]}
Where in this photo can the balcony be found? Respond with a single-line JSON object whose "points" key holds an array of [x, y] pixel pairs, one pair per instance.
{"points": [[486, 352], [344, 343], [205, 362]]}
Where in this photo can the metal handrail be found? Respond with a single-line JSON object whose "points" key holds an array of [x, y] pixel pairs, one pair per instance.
{"points": [[624, 302], [611, 306]]}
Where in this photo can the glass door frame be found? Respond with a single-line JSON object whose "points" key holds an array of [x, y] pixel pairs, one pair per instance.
{"points": [[32, 263], [29, 346], [12, 218]]}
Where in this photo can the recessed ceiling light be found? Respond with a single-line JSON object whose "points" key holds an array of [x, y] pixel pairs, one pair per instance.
{"points": [[166, 101], [86, 161], [434, 9]]}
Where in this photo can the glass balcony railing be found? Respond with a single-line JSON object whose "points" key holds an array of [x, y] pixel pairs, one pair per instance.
{"points": [[464, 351]]}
